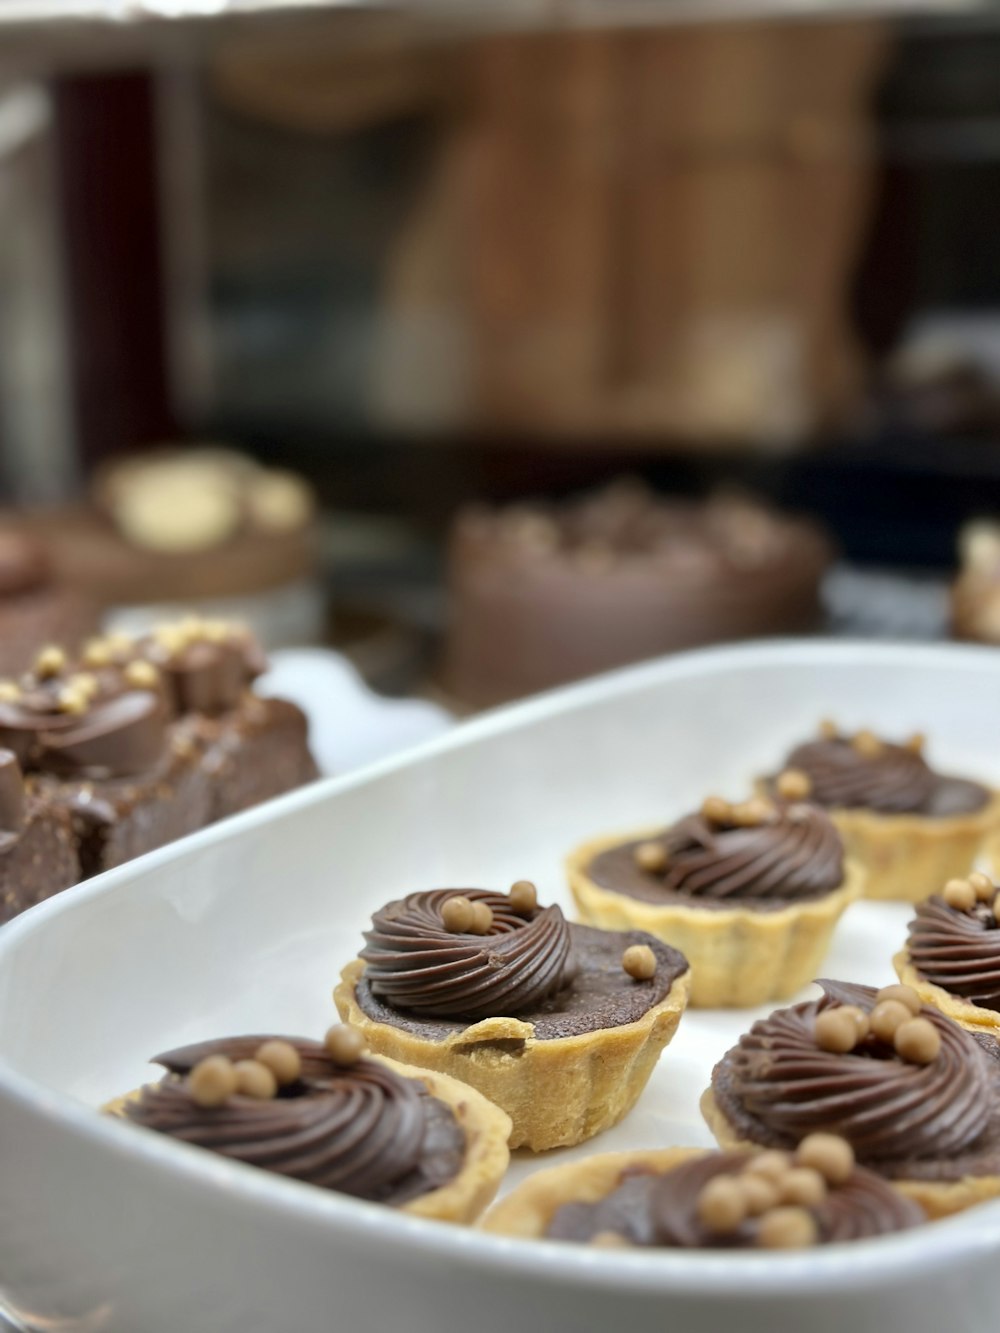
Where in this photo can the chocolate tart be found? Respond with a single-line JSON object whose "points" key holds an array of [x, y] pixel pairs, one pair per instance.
{"points": [[651, 1200], [952, 955], [538, 1015], [374, 1128], [750, 894], [927, 1119], [910, 827]]}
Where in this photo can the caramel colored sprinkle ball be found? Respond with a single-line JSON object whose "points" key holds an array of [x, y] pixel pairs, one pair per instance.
{"points": [[722, 1205], [87, 684], [787, 1229], [804, 1186], [456, 915], [9, 691], [72, 700], [281, 1058], [344, 1045], [918, 1041], [759, 1194], [639, 962], [793, 784], [651, 857], [212, 1081], [255, 1080], [859, 1018], [983, 886], [716, 810], [904, 994], [887, 1017], [960, 894], [97, 653], [482, 919], [836, 1031], [49, 662], [523, 897], [772, 1164], [868, 744], [828, 730], [609, 1240], [142, 675], [752, 813], [830, 1155], [917, 742]]}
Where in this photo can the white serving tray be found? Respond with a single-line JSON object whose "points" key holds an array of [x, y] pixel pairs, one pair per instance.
{"points": [[243, 928]]}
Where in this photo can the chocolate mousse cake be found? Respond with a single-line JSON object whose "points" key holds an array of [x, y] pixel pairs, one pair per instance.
{"points": [[542, 594]]}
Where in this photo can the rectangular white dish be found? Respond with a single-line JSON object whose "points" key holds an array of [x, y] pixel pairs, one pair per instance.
{"points": [[244, 928]]}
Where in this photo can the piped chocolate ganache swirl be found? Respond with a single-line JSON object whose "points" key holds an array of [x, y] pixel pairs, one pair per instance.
{"points": [[863, 771], [735, 1200], [320, 1114], [913, 1093], [954, 940], [755, 852], [470, 954]]}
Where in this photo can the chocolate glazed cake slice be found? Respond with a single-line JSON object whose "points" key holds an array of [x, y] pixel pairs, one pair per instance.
{"points": [[328, 1116], [916, 1096], [558, 1024]]}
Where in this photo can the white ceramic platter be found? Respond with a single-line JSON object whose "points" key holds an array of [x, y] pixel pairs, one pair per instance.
{"points": [[243, 928]]}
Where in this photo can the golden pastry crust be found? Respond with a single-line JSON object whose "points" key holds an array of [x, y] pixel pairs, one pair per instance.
{"points": [[908, 857], [937, 1198], [527, 1211], [486, 1128], [556, 1092], [739, 957], [964, 1012]]}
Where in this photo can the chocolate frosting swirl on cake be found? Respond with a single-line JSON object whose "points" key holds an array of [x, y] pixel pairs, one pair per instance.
{"points": [[958, 950], [362, 1130], [795, 853], [651, 1210], [888, 1109], [414, 963]]}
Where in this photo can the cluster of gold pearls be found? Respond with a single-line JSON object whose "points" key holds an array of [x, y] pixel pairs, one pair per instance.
{"points": [[214, 1080], [894, 1020]]}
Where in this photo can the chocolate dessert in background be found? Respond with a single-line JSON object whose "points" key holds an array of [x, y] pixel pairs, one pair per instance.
{"points": [[131, 744], [35, 608], [541, 594]]}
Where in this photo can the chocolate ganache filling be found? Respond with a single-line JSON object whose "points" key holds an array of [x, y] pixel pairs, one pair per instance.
{"points": [[363, 1130], [866, 773], [793, 853], [958, 950], [777, 1085], [651, 1209], [414, 962]]}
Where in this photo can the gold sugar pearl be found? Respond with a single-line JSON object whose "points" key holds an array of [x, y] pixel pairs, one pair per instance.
{"points": [[344, 1045], [828, 730], [50, 662], [751, 813], [87, 684], [959, 894], [119, 643], [281, 1058], [716, 810], [793, 785], [523, 897], [255, 1080], [10, 691], [984, 887], [722, 1205], [886, 1017], [904, 994], [917, 1041], [456, 915], [759, 1193], [141, 675], [71, 700], [610, 1240], [97, 653], [868, 744], [787, 1229], [651, 857], [804, 1186], [212, 1081], [830, 1155], [859, 1018], [482, 918], [639, 962], [916, 742], [772, 1164], [835, 1030]]}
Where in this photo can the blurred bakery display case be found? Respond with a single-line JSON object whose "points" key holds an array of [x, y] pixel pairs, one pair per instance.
{"points": [[427, 259]]}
